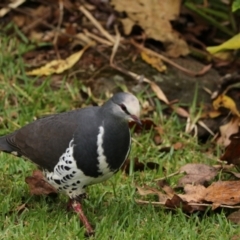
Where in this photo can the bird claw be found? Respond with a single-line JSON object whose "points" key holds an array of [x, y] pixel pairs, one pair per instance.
{"points": [[79, 198]]}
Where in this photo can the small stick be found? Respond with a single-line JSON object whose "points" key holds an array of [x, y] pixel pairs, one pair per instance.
{"points": [[98, 39], [96, 24], [116, 45], [191, 204], [60, 19], [168, 176]]}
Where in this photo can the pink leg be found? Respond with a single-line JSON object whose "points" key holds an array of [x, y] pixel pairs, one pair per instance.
{"points": [[77, 207]]}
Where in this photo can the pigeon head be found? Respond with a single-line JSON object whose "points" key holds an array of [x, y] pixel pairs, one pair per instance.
{"points": [[125, 106]]}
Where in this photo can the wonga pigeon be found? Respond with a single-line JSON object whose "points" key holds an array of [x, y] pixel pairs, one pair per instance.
{"points": [[78, 148]]}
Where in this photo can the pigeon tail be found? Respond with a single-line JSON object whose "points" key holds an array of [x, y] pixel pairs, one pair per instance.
{"points": [[4, 145]]}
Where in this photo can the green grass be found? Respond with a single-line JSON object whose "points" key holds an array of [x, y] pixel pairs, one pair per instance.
{"points": [[110, 206]]}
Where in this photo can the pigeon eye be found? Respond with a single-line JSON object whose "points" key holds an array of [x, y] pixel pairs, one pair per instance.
{"points": [[123, 107]]}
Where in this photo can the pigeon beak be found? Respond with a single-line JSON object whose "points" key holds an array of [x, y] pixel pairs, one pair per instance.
{"points": [[136, 120]]}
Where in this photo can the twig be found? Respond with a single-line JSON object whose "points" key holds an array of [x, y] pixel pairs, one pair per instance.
{"points": [[60, 19], [211, 205], [98, 39], [203, 125], [165, 59], [167, 176], [149, 202], [116, 44], [191, 204], [10, 6], [96, 24]]}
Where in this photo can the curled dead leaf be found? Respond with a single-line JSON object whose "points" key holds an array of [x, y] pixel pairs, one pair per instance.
{"points": [[227, 130], [38, 186], [196, 173]]}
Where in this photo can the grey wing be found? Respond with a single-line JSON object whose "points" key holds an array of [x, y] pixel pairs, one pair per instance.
{"points": [[45, 140]]}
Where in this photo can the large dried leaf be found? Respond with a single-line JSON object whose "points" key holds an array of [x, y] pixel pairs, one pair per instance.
{"points": [[223, 192], [197, 173], [154, 17]]}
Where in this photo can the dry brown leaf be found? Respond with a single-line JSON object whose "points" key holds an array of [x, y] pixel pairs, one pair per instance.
{"points": [[166, 188], [232, 151], [38, 186], [58, 66], [197, 173], [178, 145], [227, 130], [223, 192], [152, 191], [157, 90], [180, 111], [177, 202], [154, 61], [234, 217], [154, 17], [193, 193]]}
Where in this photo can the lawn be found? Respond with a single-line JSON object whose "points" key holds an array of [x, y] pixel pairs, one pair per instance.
{"points": [[110, 206]]}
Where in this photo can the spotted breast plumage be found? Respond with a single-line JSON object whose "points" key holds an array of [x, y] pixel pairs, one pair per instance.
{"points": [[78, 148]]}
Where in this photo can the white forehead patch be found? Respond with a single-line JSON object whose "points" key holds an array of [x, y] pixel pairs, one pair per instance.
{"points": [[133, 106]]}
